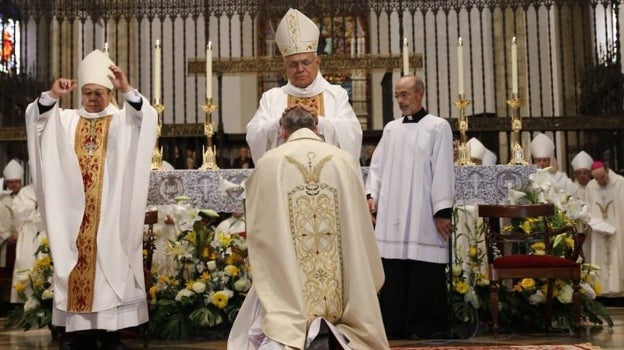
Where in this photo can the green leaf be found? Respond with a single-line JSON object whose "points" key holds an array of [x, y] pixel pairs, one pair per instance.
{"points": [[204, 317]]}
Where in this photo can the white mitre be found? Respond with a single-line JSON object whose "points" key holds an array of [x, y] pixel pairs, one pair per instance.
{"points": [[13, 171], [542, 147], [582, 161], [489, 158], [94, 70], [296, 33], [476, 148]]}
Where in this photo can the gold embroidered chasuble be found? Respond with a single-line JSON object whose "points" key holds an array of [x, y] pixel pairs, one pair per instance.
{"points": [[312, 251], [315, 102], [313, 210], [90, 147]]}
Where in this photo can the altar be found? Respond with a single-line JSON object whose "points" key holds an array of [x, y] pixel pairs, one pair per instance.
{"points": [[222, 190]]}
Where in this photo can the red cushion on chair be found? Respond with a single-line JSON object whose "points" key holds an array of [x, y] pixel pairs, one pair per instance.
{"points": [[524, 260]]}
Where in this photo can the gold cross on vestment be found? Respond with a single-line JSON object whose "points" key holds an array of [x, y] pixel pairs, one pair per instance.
{"points": [[604, 210]]}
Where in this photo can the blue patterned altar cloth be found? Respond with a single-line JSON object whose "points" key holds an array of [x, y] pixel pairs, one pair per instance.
{"points": [[473, 185]]}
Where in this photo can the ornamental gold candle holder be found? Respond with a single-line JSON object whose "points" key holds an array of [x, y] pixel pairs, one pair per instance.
{"points": [[210, 151], [517, 152], [157, 155], [464, 152]]}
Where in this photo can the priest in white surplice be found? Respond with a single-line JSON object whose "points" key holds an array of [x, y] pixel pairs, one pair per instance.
{"points": [[297, 38], [91, 168], [411, 187], [543, 154], [581, 164], [30, 232], [604, 196], [316, 267], [13, 173]]}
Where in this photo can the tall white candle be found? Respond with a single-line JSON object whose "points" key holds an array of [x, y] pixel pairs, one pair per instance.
{"points": [[157, 61], [209, 70], [352, 47], [106, 48], [460, 66], [514, 66], [405, 58]]}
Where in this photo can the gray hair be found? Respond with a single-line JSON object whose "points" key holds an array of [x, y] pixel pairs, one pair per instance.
{"points": [[296, 119]]}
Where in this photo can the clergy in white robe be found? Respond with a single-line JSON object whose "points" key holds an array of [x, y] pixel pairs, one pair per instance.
{"points": [[316, 267], [411, 188], [604, 196], [91, 168], [297, 38], [30, 232], [581, 164], [13, 173], [543, 153]]}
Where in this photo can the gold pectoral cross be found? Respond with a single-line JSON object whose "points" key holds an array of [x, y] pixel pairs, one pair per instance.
{"points": [[604, 210]]}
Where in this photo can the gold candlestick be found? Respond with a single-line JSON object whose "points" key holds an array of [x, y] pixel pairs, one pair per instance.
{"points": [[157, 156], [517, 152], [210, 152], [464, 153]]}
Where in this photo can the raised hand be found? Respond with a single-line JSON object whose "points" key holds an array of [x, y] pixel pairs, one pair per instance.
{"points": [[62, 86], [119, 80]]}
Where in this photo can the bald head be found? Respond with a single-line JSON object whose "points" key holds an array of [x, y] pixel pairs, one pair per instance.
{"points": [[601, 175], [409, 92]]}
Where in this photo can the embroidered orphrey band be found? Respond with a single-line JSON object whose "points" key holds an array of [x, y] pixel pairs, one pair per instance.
{"points": [[315, 102], [315, 229], [90, 147]]}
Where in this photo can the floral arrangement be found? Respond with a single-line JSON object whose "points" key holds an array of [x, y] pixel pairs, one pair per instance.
{"points": [[212, 276], [35, 292], [522, 301]]}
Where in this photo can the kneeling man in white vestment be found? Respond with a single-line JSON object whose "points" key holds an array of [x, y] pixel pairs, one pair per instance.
{"points": [[315, 263]]}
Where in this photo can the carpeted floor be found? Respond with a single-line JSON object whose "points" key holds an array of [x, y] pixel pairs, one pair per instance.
{"points": [[586, 346]]}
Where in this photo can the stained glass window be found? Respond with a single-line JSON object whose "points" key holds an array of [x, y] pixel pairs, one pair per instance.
{"points": [[10, 35]]}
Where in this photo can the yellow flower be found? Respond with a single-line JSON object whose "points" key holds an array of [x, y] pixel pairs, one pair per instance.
{"points": [[38, 283], [44, 242], [461, 287], [191, 236], [152, 292], [163, 279], [527, 283], [569, 241], [189, 284], [538, 246], [527, 226], [231, 270], [224, 239], [43, 262], [205, 276], [205, 252], [220, 299], [597, 288], [144, 253], [472, 251], [19, 286], [232, 259]]}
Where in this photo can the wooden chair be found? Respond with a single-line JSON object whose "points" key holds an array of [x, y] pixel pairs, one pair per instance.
{"points": [[507, 260], [151, 218]]}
